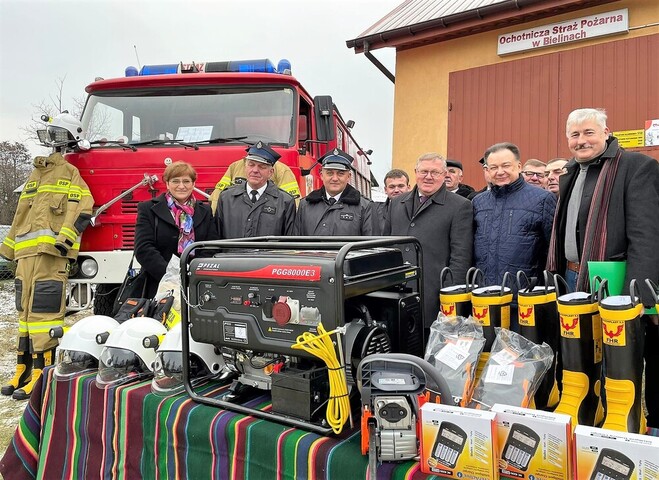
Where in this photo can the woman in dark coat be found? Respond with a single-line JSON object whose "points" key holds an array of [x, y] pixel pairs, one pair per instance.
{"points": [[169, 223]]}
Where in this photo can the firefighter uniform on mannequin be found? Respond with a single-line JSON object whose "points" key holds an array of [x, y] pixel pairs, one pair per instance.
{"points": [[53, 210], [335, 209], [257, 207], [282, 176]]}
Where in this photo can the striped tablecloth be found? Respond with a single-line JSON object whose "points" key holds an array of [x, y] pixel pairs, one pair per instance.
{"points": [[72, 429]]}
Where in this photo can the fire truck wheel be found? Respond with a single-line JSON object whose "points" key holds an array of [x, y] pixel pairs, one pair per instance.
{"points": [[104, 299]]}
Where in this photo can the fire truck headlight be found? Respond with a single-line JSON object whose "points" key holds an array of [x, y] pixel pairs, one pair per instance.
{"points": [[89, 268]]}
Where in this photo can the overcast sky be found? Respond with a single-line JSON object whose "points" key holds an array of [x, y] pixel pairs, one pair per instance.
{"points": [[41, 41]]}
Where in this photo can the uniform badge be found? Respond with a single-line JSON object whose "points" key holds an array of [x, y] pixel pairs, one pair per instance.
{"points": [[347, 216], [269, 209]]}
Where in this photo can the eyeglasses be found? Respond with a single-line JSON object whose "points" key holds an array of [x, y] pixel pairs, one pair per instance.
{"points": [[528, 174], [177, 181], [433, 173]]}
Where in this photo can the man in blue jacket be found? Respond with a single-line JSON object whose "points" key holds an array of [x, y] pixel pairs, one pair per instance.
{"points": [[512, 220]]}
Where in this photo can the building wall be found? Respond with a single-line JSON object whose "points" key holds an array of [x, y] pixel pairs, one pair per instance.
{"points": [[421, 100]]}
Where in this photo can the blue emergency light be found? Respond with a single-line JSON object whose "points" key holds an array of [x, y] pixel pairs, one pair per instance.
{"points": [[159, 69], [240, 66]]}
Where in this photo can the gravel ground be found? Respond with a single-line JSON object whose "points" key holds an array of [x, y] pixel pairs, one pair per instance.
{"points": [[10, 409]]}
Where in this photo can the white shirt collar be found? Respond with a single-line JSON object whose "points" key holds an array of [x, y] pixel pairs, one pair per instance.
{"points": [[259, 191]]}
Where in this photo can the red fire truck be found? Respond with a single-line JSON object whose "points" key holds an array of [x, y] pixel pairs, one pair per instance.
{"points": [[202, 113]]}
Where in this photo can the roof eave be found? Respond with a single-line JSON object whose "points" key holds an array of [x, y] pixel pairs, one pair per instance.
{"points": [[491, 17]]}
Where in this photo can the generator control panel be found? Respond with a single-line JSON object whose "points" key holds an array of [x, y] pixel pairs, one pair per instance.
{"points": [[263, 299]]}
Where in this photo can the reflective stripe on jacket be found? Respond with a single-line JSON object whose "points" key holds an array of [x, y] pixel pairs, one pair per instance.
{"points": [[54, 209]]}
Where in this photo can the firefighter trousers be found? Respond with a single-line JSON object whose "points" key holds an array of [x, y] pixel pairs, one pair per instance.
{"points": [[40, 299]]}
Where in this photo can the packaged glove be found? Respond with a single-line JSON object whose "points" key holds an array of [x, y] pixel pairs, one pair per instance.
{"points": [[513, 371], [454, 346]]}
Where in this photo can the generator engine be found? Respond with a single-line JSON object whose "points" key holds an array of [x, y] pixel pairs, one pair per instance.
{"points": [[256, 298]]}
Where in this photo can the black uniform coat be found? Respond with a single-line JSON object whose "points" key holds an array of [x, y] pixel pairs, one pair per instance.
{"points": [[272, 214], [350, 216], [464, 190], [156, 236], [444, 227], [380, 212], [632, 221]]}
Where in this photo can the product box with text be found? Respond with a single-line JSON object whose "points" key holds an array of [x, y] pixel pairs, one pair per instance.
{"points": [[458, 442], [533, 444], [617, 455]]}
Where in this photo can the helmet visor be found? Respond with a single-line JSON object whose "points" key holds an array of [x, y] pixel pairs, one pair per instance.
{"points": [[168, 372], [71, 362], [58, 135], [118, 365]]}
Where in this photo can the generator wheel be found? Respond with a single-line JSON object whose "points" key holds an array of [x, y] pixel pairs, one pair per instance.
{"points": [[104, 298], [372, 452]]}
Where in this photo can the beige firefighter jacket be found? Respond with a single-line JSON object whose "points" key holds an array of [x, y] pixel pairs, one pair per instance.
{"points": [[283, 177], [54, 208]]}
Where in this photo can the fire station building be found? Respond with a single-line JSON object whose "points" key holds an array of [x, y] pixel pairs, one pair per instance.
{"points": [[471, 73]]}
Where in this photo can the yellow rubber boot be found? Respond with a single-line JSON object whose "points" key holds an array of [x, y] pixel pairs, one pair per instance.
{"points": [[623, 334], [39, 362], [22, 374], [581, 353], [538, 322]]}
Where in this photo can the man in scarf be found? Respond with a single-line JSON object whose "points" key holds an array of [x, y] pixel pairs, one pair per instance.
{"points": [[608, 207]]}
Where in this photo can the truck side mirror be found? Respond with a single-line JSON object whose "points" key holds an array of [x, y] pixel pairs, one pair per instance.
{"points": [[323, 113]]}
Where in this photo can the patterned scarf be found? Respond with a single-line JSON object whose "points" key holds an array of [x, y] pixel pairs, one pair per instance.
{"points": [[594, 245], [183, 217]]}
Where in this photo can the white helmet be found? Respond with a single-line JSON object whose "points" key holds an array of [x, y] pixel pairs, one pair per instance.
{"points": [[78, 350], [205, 362], [63, 130], [124, 357]]}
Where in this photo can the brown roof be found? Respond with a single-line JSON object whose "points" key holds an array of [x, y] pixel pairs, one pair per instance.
{"points": [[419, 22]]}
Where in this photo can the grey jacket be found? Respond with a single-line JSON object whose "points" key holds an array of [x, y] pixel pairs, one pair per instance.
{"points": [[350, 216], [443, 225], [238, 217]]}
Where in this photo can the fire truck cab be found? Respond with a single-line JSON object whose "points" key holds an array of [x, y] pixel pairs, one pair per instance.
{"points": [[205, 114]]}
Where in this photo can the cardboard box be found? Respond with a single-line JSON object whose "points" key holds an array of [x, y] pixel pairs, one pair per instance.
{"points": [[458, 442], [533, 444], [604, 454]]}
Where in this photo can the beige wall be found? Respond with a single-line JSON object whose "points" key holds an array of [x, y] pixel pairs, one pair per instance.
{"points": [[422, 76]]}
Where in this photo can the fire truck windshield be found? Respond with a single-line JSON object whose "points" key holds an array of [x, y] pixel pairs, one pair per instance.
{"points": [[152, 116]]}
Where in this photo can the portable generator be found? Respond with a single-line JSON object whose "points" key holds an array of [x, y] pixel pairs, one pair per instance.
{"points": [[268, 302]]}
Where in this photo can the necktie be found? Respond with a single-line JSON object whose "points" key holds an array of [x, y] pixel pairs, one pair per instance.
{"points": [[331, 201], [254, 192], [422, 199]]}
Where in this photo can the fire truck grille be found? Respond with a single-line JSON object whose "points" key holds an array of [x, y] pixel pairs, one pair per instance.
{"points": [[129, 207], [128, 237]]}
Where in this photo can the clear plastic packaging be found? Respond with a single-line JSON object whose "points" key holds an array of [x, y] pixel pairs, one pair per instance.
{"points": [[513, 372], [453, 348]]}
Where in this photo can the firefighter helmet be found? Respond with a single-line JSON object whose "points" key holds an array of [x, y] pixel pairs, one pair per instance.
{"points": [[205, 362], [63, 130], [78, 350], [124, 357]]}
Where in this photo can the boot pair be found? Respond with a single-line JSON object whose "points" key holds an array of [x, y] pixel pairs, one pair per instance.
{"points": [[28, 372]]}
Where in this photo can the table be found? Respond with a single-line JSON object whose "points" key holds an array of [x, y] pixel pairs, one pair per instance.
{"points": [[73, 429]]}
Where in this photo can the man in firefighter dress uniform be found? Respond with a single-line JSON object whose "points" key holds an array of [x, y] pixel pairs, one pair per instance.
{"points": [[282, 177], [337, 208], [53, 210], [257, 207]]}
